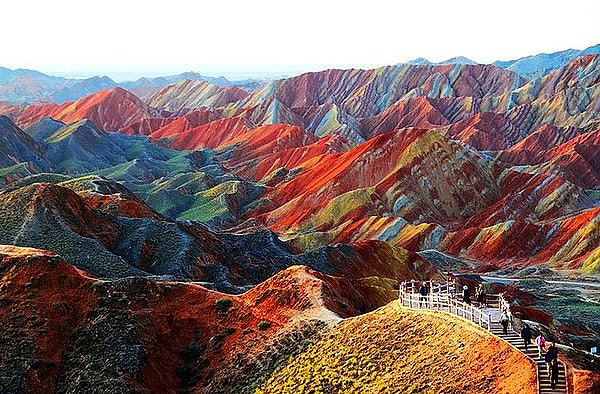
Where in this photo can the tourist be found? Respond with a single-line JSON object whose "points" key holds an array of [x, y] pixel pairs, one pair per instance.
{"points": [[480, 295], [424, 291], [551, 354], [526, 335], [504, 320], [466, 295], [554, 373], [540, 341]]}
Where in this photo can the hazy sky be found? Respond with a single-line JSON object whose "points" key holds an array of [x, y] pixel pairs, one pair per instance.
{"points": [[122, 38]]}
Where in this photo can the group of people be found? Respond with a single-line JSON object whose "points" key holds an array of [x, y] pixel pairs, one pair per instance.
{"points": [[550, 353], [479, 295]]}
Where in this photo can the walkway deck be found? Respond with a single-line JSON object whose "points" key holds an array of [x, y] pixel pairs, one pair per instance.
{"points": [[491, 322]]}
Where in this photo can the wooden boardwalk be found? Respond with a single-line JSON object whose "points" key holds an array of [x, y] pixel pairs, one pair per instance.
{"points": [[445, 299]]}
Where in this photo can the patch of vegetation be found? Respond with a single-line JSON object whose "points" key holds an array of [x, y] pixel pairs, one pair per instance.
{"points": [[20, 168], [222, 305], [193, 362], [191, 351], [80, 184], [187, 374], [264, 325], [218, 339], [230, 330], [574, 312], [531, 283]]}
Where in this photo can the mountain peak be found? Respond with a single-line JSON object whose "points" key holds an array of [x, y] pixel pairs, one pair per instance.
{"points": [[459, 60]]}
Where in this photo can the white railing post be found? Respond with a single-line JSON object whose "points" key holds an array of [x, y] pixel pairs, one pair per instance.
{"points": [[441, 298]]}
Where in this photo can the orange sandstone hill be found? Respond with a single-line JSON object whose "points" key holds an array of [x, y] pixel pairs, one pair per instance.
{"points": [[394, 350], [112, 109], [62, 330]]}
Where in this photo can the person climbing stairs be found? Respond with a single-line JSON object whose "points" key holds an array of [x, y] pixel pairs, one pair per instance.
{"points": [[543, 378]]}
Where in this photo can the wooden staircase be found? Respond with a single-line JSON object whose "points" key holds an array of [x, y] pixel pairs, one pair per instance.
{"points": [[542, 375], [443, 297]]}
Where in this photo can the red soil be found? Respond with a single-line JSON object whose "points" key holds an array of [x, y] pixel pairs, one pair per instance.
{"points": [[58, 297]]}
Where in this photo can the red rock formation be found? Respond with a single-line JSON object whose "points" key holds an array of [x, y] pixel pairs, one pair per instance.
{"points": [[63, 303], [186, 122], [394, 165], [575, 159], [111, 110], [34, 113], [208, 135], [287, 159], [486, 131], [417, 112], [266, 140], [146, 126]]}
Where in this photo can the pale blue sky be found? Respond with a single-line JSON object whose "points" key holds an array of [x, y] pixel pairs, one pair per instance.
{"points": [[273, 38]]}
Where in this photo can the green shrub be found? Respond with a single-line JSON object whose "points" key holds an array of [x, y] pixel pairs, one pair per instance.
{"points": [[218, 339], [222, 305], [191, 351], [264, 325]]}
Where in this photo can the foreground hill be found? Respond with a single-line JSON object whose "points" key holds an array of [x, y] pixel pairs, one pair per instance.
{"points": [[396, 350], [61, 330]]}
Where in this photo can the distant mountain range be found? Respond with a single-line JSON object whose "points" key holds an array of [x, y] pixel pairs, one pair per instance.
{"points": [[463, 158], [529, 66], [542, 63], [29, 86], [454, 60]]}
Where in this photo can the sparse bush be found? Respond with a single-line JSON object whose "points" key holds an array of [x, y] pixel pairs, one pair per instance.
{"points": [[218, 339], [222, 305], [264, 325], [191, 351], [230, 330]]}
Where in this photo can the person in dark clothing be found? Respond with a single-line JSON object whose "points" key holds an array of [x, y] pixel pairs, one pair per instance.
{"points": [[424, 291], [480, 295], [504, 320], [526, 335], [554, 371], [551, 355], [466, 295]]}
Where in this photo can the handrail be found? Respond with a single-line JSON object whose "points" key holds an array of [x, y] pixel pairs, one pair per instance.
{"points": [[445, 302], [413, 286], [441, 298]]}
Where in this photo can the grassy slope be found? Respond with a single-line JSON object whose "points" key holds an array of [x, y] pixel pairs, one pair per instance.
{"points": [[403, 351]]}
